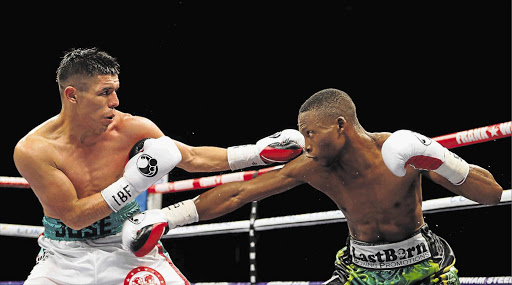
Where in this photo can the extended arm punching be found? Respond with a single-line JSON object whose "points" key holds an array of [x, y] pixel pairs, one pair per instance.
{"points": [[279, 147], [141, 237], [229, 197]]}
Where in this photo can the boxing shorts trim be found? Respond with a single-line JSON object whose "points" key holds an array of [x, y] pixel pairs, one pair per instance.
{"points": [[55, 229], [437, 269], [390, 255]]}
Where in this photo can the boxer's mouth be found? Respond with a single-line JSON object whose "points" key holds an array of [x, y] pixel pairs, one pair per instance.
{"points": [[111, 117]]}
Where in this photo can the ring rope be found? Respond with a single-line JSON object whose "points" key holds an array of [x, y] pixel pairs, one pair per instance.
{"points": [[458, 139], [430, 206]]}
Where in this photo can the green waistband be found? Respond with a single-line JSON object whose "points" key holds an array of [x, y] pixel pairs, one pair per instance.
{"points": [[111, 225]]}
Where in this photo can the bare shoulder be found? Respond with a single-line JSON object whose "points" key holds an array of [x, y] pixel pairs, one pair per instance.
{"points": [[37, 141], [34, 150], [137, 126], [32, 145], [301, 168], [129, 119], [380, 137]]}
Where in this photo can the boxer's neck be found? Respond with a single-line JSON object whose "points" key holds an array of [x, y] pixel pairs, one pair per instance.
{"points": [[78, 131], [358, 152]]}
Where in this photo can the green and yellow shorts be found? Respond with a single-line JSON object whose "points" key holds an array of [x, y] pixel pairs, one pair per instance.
{"points": [[424, 258]]}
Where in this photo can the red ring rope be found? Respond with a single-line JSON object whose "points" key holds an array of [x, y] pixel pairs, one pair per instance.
{"points": [[478, 135], [458, 139]]}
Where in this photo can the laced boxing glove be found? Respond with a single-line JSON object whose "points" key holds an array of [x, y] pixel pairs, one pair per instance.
{"points": [[406, 147], [152, 159], [280, 147], [143, 231]]}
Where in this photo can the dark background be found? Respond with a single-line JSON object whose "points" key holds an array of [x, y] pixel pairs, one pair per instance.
{"points": [[229, 73]]}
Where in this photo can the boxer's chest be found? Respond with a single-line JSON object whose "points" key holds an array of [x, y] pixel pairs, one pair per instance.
{"points": [[91, 169]]}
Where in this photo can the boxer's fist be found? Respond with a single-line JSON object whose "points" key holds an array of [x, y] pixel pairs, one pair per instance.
{"points": [[143, 231], [152, 159], [406, 147], [155, 158], [280, 147]]}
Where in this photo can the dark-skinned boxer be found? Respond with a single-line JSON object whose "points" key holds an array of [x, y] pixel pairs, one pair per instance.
{"points": [[375, 180]]}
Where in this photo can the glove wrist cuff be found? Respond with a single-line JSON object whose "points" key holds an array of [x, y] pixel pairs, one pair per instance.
{"points": [[181, 213], [244, 156], [119, 193], [454, 168]]}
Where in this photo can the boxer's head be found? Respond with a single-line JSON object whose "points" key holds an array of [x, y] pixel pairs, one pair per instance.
{"points": [[324, 120], [88, 81]]}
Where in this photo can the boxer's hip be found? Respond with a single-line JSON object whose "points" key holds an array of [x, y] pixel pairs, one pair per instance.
{"points": [[422, 258]]}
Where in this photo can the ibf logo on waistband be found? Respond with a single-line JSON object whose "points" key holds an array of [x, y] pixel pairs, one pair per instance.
{"points": [[389, 256]]}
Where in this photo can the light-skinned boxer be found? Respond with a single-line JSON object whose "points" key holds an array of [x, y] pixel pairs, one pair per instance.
{"points": [[77, 165], [375, 180]]}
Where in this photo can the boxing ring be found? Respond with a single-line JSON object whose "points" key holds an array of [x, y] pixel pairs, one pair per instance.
{"points": [[254, 225]]}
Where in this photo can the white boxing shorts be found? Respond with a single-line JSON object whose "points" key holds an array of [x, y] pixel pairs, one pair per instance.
{"points": [[95, 255], [101, 261]]}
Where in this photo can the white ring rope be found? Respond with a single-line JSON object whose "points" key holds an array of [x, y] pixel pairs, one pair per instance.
{"points": [[309, 219]]}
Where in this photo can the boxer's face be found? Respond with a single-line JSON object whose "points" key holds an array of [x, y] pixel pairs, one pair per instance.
{"points": [[323, 139], [96, 100]]}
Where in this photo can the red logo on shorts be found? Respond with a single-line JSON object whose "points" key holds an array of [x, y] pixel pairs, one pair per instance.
{"points": [[144, 276]]}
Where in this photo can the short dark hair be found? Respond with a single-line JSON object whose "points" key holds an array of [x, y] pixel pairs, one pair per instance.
{"points": [[88, 62], [333, 103]]}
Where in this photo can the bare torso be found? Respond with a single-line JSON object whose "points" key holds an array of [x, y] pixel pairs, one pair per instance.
{"points": [[378, 205], [91, 165]]}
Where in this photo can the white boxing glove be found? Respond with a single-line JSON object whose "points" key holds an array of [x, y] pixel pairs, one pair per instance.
{"points": [[406, 147], [155, 159], [142, 232], [280, 147]]}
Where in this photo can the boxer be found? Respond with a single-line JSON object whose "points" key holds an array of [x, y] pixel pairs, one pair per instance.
{"points": [[76, 164], [375, 180]]}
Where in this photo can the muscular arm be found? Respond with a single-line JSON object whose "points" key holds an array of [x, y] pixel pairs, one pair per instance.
{"points": [[211, 204], [479, 186], [208, 159], [202, 159], [229, 197], [55, 191]]}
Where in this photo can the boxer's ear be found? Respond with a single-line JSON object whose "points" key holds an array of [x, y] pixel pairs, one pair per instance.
{"points": [[341, 123], [70, 93]]}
